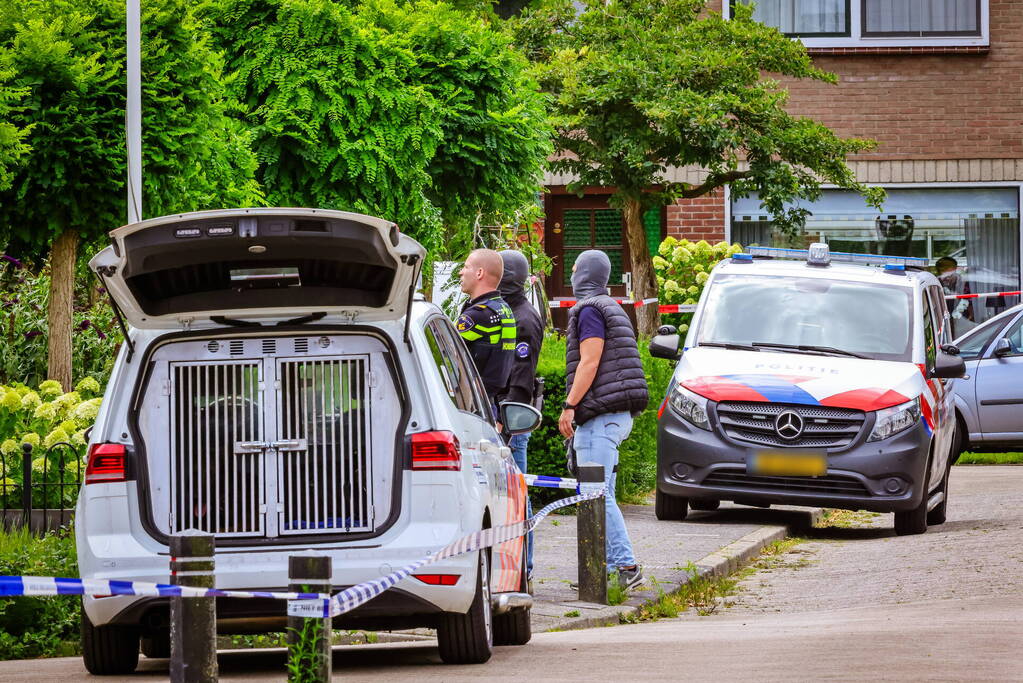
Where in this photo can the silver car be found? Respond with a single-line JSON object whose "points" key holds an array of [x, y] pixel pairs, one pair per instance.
{"points": [[989, 400]]}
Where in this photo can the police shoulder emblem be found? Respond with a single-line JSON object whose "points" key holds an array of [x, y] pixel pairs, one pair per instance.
{"points": [[464, 323], [522, 350]]}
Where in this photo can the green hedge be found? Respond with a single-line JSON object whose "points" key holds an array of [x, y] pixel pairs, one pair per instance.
{"points": [[637, 468], [42, 626]]}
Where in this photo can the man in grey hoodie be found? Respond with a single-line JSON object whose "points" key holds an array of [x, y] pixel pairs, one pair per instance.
{"points": [[522, 385], [606, 388]]}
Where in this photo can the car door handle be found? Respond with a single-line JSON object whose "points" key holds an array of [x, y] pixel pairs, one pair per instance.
{"points": [[290, 445]]}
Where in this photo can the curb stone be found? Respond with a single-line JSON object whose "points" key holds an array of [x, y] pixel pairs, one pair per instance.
{"points": [[718, 563]]}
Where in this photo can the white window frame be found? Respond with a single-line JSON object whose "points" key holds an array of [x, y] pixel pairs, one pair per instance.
{"points": [[855, 39]]}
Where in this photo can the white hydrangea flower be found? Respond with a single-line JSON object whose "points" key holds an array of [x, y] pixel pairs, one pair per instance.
{"points": [[45, 411], [51, 387]]}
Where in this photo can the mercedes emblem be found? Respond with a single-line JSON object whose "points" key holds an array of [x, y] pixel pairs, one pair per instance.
{"points": [[789, 425]]}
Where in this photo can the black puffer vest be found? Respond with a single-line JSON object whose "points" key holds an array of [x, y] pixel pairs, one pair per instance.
{"points": [[620, 384]]}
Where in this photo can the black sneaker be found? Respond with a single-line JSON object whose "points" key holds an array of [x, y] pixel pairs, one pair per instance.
{"points": [[630, 578]]}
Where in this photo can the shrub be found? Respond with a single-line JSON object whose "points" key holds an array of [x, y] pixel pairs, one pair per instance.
{"points": [[38, 626], [637, 467], [682, 268]]}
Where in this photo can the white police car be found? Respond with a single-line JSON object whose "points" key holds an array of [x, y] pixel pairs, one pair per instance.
{"points": [[812, 382], [283, 390]]}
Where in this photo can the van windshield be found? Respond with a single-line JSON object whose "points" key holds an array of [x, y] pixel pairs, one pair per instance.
{"points": [[874, 321]]}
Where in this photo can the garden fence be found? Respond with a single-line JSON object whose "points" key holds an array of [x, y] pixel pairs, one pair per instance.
{"points": [[39, 491]]}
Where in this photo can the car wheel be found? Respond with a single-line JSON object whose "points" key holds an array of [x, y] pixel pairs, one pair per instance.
{"points": [[670, 508], [939, 514], [109, 650], [469, 638], [514, 628], [911, 522], [704, 504]]}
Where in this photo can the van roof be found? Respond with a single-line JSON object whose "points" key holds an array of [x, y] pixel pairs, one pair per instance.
{"points": [[835, 271]]}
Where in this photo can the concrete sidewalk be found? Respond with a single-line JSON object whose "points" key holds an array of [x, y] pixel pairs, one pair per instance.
{"points": [[716, 542]]}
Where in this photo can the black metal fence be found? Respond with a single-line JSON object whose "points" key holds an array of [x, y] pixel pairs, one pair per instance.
{"points": [[39, 488]]}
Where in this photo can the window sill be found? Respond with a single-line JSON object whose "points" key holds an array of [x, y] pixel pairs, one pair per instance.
{"points": [[902, 50]]}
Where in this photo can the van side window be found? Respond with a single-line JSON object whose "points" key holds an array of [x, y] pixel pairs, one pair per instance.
{"points": [[454, 367], [930, 347], [438, 359], [942, 320]]}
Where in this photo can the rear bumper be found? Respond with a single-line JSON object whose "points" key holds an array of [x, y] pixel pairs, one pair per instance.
{"points": [[696, 463]]}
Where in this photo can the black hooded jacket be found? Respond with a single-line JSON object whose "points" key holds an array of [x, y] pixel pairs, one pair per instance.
{"points": [[529, 336]]}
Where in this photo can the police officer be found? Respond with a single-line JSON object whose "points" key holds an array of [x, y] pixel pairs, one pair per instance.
{"points": [[487, 324], [522, 385]]}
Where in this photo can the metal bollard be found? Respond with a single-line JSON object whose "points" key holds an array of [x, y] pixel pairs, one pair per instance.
{"points": [[592, 535], [193, 631], [309, 639]]}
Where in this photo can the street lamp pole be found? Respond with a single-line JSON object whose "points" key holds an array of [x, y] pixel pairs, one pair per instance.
{"points": [[133, 114]]}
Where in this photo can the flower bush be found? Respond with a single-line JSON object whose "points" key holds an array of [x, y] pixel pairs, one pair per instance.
{"points": [[54, 423], [682, 268]]}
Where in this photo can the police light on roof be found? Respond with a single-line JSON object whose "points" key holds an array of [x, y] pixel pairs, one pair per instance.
{"points": [[742, 258], [818, 254], [897, 268]]}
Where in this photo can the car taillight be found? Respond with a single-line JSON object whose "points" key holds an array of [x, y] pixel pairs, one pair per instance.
{"points": [[435, 451], [438, 579], [108, 462]]}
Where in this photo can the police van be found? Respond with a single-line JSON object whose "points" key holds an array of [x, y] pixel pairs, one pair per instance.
{"points": [[283, 388], [811, 378]]}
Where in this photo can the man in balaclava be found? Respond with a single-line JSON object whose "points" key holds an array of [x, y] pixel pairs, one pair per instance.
{"points": [[522, 384], [606, 388]]}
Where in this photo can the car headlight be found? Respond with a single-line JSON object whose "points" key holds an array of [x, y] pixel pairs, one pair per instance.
{"points": [[891, 421], [692, 407]]}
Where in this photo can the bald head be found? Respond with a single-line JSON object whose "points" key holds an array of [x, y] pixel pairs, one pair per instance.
{"points": [[482, 272]]}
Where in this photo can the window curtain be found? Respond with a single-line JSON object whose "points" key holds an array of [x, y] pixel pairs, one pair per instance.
{"points": [[992, 255], [921, 16], [802, 16]]}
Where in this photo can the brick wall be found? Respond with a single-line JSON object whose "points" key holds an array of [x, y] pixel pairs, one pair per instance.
{"points": [[927, 106], [702, 218]]}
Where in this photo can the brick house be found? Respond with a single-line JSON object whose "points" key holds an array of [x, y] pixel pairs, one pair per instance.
{"points": [[939, 85]]}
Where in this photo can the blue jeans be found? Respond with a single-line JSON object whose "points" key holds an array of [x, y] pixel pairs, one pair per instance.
{"points": [[518, 445], [597, 441]]}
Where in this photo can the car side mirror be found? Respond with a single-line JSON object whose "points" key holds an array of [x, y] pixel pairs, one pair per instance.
{"points": [[950, 349], [665, 346], [1003, 347], [947, 366], [519, 418]]}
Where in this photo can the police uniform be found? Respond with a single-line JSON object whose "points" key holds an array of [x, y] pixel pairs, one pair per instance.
{"points": [[487, 326]]}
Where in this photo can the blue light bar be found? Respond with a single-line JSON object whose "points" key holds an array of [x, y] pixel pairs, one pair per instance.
{"points": [[843, 256], [895, 268], [742, 258]]}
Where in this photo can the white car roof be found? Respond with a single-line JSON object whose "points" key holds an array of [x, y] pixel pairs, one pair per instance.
{"points": [[850, 272]]}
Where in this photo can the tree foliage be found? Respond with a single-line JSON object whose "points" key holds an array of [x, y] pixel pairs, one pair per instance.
{"points": [[416, 112], [642, 86], [13, 147]]}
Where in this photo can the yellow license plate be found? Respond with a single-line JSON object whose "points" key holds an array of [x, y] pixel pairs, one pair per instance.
{"points": [[788, 463]]}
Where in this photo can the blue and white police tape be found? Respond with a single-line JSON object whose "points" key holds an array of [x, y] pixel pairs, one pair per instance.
{"points": [[350, 598], [545, 481], [315, 605]]}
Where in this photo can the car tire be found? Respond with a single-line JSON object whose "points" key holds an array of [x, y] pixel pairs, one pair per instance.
{"points": [[704, 504], [109, 650], [156, 644], [940, 513], [469, 638], [912, 522], [670, 508], [515, 628]]}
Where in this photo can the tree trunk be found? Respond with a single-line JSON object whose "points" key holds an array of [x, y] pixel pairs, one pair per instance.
{"points": [[63, 255], [644, 284]]}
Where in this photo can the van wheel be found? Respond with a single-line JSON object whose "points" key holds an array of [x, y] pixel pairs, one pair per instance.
{"points": [[938, 515], [469, 638], [704, 504], [914, 521], [514, 628], [109, 650], [670, 508]]}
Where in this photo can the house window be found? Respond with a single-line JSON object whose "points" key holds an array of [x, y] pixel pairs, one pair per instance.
{"points": [[970, 237], [876, 23]]}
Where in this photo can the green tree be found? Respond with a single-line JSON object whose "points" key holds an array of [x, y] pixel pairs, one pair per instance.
{"points": [[12, 139], [69, 58], [644, 85], [416, 112]]}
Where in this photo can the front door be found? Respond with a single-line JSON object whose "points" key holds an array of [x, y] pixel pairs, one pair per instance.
{"points": [[575, 224]]}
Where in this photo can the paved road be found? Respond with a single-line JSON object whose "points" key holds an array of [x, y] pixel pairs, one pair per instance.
{"points": [[849, 604]]}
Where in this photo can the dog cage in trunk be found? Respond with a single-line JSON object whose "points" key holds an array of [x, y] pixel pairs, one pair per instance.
{"points": [[271, 446]]}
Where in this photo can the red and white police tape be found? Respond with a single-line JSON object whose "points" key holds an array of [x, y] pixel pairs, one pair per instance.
{"points": [[983, 295], [569, 303]]}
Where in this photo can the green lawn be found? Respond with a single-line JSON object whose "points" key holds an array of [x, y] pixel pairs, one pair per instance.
{"points": [[990, 459]]}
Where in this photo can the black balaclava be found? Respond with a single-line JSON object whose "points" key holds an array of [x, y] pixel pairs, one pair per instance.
{"points": [[592, 270], [513, 281]]}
